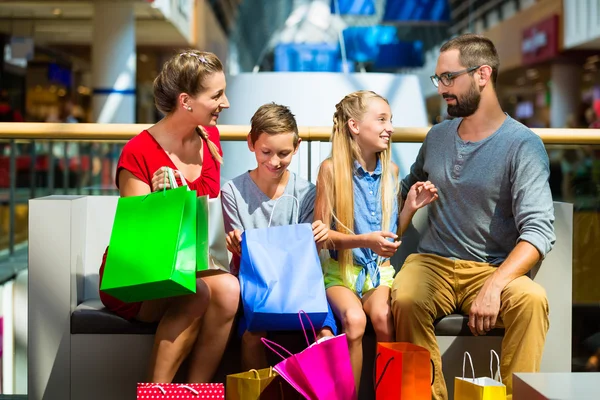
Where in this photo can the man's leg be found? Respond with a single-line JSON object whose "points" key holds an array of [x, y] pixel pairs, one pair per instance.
{"points": [[523, 315], [423, 292]]}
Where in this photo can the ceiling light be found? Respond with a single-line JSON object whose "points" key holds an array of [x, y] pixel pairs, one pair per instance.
{"points": [[57, 12]]}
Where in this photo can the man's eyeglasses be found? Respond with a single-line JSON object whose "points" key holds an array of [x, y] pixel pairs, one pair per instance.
{"points": [[447, 77]]}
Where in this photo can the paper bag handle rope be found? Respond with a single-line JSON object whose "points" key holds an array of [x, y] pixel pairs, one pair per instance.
{"points": [[277, 201], [270, 343], [164, 392], [258, 375], [471, 362], [302, 312], [387, 364], [497, 377]]}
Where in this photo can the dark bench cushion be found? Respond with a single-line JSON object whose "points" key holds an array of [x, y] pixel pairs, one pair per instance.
{"points": [[91, 317]]}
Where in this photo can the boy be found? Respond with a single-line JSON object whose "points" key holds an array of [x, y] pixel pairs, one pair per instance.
{"points": [[248, 202]]}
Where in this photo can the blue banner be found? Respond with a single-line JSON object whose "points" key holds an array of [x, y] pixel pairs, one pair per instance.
{"points": [[400, 55], [417, 10], [308, 57], [354, 7], [363, 42]]}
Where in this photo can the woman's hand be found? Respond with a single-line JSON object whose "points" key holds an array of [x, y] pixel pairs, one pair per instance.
{"points": [[234, 242], [160, 179], [379, 243], [420, 195]]}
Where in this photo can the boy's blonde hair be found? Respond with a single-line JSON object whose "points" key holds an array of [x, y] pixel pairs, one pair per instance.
{"points": [[337, 183], [273, 119]]}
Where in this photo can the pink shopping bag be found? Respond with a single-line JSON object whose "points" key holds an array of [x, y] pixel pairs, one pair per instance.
{"points": [[159, 391], [320, 372]]}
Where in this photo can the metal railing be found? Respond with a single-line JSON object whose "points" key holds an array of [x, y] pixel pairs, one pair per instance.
{"points": [[18, 133]]}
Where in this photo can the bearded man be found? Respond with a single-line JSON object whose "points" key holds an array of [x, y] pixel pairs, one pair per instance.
{"points": [[492, 223]]}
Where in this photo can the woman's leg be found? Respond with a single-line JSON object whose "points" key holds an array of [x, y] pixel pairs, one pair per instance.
{"points": [[349, 310], [216, 325], [180, 320], [253, 351], [377, 306]]}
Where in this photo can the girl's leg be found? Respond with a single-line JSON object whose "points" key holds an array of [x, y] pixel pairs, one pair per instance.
{"points": [[253, 351], [214, 333], [376, 304], [349, 310], [180, 320]]}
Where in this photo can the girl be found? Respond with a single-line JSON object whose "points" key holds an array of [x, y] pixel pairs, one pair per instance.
{"points": [[189, 91], [357, 191]]}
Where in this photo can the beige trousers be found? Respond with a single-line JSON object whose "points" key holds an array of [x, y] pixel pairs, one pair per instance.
{"points": [[429, 287]]}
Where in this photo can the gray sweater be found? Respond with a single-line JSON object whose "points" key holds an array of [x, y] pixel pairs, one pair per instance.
{"points": [[245, 206], [492, 193]]}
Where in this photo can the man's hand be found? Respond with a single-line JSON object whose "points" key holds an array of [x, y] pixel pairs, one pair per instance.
{"points": [[485, 308], [234, 242]]}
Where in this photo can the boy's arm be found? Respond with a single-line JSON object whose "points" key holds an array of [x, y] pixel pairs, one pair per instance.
{"points": [[231, 221], [231, 217], [307, 205]]}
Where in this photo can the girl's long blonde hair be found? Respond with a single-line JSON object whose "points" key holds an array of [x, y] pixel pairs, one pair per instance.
{"points": [[336, 172]]}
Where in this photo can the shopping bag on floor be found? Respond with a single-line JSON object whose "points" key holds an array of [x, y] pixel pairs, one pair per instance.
{"points": [[280, 274], [160, 391], [480, 388], [403, 371], [263, 384], [320, 372], [152, 247]]}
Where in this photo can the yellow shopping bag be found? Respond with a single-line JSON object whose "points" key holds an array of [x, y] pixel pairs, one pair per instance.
{"points": [[263, 384], [480, 388]]}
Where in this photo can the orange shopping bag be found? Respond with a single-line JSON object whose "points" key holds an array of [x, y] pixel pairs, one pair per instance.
{"points": [[403, 371]]}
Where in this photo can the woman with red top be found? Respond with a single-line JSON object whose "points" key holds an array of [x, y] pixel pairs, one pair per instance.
{"points": [[190, 92]]}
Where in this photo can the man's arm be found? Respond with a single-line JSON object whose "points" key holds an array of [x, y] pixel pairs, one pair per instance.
{"points": [[533, 211]]}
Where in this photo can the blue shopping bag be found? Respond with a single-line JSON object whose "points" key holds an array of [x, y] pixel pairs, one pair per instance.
{"points": [[280, 274]]}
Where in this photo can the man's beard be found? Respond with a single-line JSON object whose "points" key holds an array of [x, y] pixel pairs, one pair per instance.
{"points": [[465, 105]]}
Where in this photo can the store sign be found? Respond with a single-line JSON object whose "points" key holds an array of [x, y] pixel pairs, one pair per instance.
{"points": [[540, 41]]}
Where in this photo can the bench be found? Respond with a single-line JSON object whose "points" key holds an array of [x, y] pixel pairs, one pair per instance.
{"points": [[78, 350]]}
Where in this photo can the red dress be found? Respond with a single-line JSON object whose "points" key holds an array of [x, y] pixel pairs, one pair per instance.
{"points": [[143, 156]]}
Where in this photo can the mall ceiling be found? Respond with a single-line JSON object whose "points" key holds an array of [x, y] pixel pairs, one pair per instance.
{"points": [[69, 22]]}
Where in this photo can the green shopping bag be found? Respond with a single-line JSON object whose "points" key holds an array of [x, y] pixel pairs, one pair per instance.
{"points": [[152, 250], [202, 242]]}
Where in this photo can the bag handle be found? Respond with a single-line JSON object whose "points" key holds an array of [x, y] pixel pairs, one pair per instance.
{"points": [[270, 343], [277, 201], [376, 381], [300, 313], [173, 181], [386, 366], [164, 392], [471, 362], [497, 377]]}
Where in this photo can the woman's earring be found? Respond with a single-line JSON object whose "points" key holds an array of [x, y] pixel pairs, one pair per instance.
{"points": [[188, 108]]}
